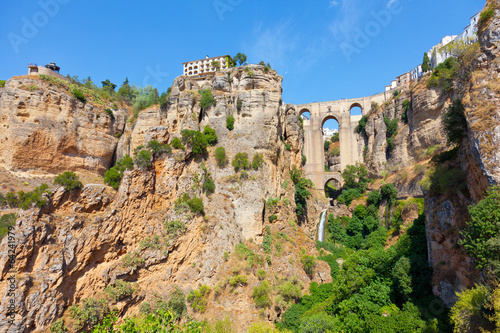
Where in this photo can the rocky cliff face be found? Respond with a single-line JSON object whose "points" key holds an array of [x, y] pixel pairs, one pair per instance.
{"points": [[46, 129], [83, 241]]}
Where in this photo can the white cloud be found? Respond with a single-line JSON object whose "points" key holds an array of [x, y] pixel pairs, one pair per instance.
{"points": [[333, 4]]}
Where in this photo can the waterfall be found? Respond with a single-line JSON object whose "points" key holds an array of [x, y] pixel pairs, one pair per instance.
{"points": [[321, 229]]}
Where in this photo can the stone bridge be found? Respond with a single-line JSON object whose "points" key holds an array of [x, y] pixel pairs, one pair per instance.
{"points": [[351, 145]]}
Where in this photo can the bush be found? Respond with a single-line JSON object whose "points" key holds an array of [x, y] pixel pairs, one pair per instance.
{"points": [[326, 145], [88, 314], [133, 260], [480, 238], [288, 146], [199, 298], [2, 83], [304, 159], [389, 192], [208, 185], [58, 326], [374, 198], [143, 159], [196, 205], [210, 135], [261, 295], [257, 161], [69, 180], [177, 303], [177, 143], [468, 311], [391, 126], [239, 105], [159, 148], [302, 192], [196, 140], [355, 176], [113, 176], [261, 274], [207, 99], [6, 221], [240, 161], [308, 263], [230, 122], [175, 228], [79, 95], [347, 196], [454, 122], [121, 289], [109, 113], [361, 128], [486, 15], [272, 218], [220, 156]]}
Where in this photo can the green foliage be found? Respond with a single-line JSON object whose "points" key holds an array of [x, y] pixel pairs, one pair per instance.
{"points": [[195, 204], [319, 323], [304, 159], [481, 238], [361, 128], [175, 228], [58, 326], [257, 161], [154, 243], [486, 15], [389, 192], [109, 113], [120, 290], [454, 122], [289, 292], [444, 74], [196, 140], [467, 315], [143, 159], [240, 161], [177, 143], [159, 148], [261, 295], [90, 312], [426, 63], [207, 99], [208, 185], [326, 145], [374, 198], [2, 83], [402, 278], [392, 127], [239, 105], [177, 303], [198, 298], [240, 58], [355, 177], [272, 218], [69, 180], [220, 156], [132, 260], [347, 196], [230, 122], [79, 95], [288, 146], [302, 192], [404, 115], [113, 176], [6, 221], [261, 274], [210, 135], [30, 199], [308, 263]]}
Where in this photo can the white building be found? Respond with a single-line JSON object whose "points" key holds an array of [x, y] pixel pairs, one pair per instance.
{"points": [[328, 133], [205, 66], [470, 31], [416, 73], [437, 57]]}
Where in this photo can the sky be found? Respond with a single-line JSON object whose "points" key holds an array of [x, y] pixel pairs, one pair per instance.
{"points": [[325, 50]]}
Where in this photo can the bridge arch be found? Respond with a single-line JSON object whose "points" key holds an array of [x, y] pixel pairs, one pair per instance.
{"points": [[328, 117], [355, 106], [305, 113]]}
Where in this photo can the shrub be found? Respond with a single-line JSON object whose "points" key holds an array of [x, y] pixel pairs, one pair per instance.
{"points": [[230, 122], [177, 143], [480, 238], [196, 205], [89, 313], [239, 105], [199, 298], [468, 310], [347, 196], [361, 128], [273, 218], [391, 126], [374, 198], [289, 291], [486, 15], [261, 295], [261, 274], [336, 151], [210, 135], [355, 176], [196, 140], [454, 122], [58, 326], [133, 260], [6, 221], [288, 146], [177, 302], [121, 289], [389, 192], [79, 95], [208, 185], [113, 176], [302, 192], [2, 83], [109, 113], [207, 99], [238, 279], [159, 148], [69, 180], [151, 243], [304, 159], [326, 145], [143, 159], [257, 161], [220, 156], [240, 161], [308, 263]]}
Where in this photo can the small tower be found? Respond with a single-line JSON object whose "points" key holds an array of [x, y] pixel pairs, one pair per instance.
{"points": [[32, 69], [53, 66]]}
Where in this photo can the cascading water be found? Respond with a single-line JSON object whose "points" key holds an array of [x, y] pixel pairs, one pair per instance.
{"points": [[321, 228]]}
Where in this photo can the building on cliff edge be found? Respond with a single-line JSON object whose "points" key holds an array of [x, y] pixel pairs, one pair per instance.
{"points": [[50, 69], [205, 66]]}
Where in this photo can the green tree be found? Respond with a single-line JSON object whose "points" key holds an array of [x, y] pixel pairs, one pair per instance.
{"points": [[426, 63], [143, 159], [356, 177], [257, 161], [454, 122], [230, 122], [241, 58], [196, 140], [220, 156], [402, 278], [108, 86], [125, 90], [210, 135], [207, 99], [215, 64], [481, 238], [240, 161], [467, 315], [69, 180], [177, 143]]}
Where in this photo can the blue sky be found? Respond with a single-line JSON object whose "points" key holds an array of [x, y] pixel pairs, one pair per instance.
{"points": [[147, 41]]}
